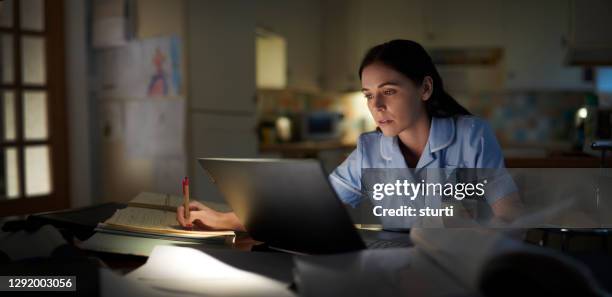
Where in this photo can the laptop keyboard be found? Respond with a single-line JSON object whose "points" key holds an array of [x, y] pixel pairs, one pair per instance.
{"points": [[384, 244]]}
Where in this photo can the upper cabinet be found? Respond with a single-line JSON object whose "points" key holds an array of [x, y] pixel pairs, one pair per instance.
{"points": [[298, 22], [590, 23], [339, 71], [327, 39], [474, 23], [535, 51], [392, 19], [351, 27], [589, 36], [354, 26]]}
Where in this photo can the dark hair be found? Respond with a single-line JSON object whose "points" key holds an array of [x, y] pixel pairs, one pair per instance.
{"points": [[410, 59]]}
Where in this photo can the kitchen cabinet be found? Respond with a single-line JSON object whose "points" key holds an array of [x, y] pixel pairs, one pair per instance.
{"points": [[352, 27], [530, 33], [590, 23], [339, 46], [325, 54], [535, 54], [299, 23], [474, 23], [393, 19], [589, 36]]}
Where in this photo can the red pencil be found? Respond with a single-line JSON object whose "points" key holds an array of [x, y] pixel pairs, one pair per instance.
{"points": [[186, 197]]}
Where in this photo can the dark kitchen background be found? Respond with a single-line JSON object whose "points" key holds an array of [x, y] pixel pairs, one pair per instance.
{"points": [[103, 99]]}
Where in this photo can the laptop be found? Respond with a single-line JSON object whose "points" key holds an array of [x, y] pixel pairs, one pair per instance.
{"points": [[290, 205]]}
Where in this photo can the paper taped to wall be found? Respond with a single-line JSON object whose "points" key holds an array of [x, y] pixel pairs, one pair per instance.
{"points": [[155, 128]]}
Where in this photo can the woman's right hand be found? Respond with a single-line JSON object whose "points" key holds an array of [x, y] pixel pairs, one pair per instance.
{"points": [[208, 219]]}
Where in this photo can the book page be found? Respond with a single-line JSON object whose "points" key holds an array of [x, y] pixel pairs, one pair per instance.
{"points": [[164, 201], [143, 217], [154, 221], [169, 202]]}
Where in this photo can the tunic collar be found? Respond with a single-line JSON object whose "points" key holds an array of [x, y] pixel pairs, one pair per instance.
{"points": [[441, 135]]}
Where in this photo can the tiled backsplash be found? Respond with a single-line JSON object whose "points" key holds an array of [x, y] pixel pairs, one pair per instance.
{"points": [[528, 117], [518, 118]]}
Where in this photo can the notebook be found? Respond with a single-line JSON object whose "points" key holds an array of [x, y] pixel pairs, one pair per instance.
{"points": [[154, 215]]}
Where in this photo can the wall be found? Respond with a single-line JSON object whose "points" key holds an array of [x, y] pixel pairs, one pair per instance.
{"points": [[221, 72], [79, 104], [121, 177], [218, 50]]}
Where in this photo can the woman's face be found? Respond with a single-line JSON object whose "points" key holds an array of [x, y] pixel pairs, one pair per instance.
{"points": [[395, 101]]}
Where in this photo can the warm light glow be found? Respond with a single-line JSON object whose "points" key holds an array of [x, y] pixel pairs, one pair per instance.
{"points": [[184, 269], [12, 174], [357, 117], [271, 61], [283, 128], [582, 113], [37, 170], [185, 262]]}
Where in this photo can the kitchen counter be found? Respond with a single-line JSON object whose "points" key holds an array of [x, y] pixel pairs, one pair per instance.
{"points": [[305, 149], [556, 162], [547, 159]]}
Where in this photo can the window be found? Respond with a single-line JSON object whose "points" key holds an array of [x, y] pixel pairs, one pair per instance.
{"points": [[33, 162]]}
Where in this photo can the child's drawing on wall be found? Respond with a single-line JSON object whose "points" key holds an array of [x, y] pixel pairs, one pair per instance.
{"points": [[162, 66], [158, 85]]}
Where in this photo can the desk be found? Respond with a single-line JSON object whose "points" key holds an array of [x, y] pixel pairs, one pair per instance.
{"points": [[77, 225], [244, 253]]}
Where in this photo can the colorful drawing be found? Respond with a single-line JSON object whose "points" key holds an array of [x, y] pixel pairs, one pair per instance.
{"points": [[162, 66], [143, 68], [158, 85]]}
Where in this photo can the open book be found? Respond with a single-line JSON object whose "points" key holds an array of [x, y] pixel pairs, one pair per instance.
{"points": [[154, 215]]}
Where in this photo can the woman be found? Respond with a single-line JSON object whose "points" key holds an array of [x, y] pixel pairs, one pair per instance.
{"points": [[419, 126]]}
